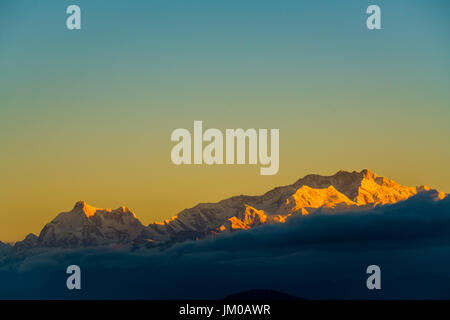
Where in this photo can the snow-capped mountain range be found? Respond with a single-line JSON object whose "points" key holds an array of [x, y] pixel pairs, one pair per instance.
{"points": [[87, 226]]}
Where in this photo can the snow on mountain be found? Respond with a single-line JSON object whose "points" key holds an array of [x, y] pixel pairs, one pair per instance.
{"points": [[341, 191], [85, 225]]}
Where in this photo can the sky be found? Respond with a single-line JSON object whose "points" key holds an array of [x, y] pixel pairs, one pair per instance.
{"points": [[87, 114]]}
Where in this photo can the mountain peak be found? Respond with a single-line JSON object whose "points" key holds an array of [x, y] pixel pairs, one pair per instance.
{"points": [[85, 208], [366, 173], [89, 211], [344, 181], [86, 225], [363, 187]]}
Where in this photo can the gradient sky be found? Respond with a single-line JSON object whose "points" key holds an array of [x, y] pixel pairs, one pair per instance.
{"points": [[87, 115]]}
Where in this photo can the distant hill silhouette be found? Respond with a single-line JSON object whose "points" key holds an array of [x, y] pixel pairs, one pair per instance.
{"points": [[265, 294]]}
